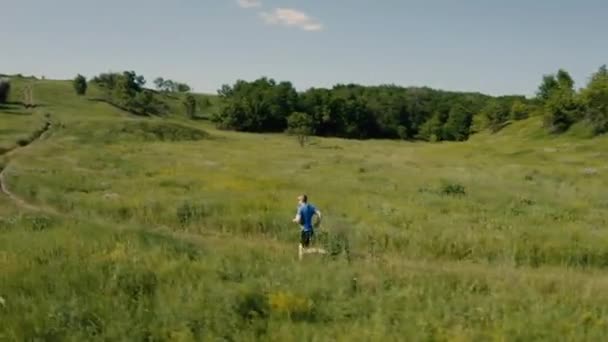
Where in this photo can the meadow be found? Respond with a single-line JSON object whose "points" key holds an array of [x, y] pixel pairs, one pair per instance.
{"points": [[170, 229]]}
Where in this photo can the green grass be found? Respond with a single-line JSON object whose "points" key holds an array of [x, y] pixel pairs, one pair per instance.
{"points": [[172, 230]]}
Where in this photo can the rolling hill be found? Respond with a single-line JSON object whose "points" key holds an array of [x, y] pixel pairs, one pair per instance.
{"points": [[119, 227]]}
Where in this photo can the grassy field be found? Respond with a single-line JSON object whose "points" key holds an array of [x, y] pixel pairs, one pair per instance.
{"points": [[168, 229]]}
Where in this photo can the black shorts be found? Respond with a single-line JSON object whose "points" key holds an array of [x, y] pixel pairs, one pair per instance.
{"points": [[305, 237]]}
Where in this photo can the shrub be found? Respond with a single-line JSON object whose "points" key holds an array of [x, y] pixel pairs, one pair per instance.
{"points": [[252, 305], [295, 307], [301, 125], [80, 84], [253, 310], [452, 189]]}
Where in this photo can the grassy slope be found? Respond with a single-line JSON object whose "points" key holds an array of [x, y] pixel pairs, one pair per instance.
{"points": [[184, 239]]}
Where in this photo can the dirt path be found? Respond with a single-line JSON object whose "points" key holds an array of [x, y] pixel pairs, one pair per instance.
{"points": [[3, 171]]}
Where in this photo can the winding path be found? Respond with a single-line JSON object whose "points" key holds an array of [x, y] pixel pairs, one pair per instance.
{"points": [[3, 182]]}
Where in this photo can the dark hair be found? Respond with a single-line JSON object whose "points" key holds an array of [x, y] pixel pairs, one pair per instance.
{"points": [[304, 198]]}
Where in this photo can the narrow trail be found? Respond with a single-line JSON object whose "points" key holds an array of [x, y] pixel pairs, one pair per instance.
{"points": [[38, 135]]}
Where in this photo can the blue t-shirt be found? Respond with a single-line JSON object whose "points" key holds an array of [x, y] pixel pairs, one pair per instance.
{"points": [[306, 212]]}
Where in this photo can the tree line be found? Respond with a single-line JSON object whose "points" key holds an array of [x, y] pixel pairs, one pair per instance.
{"points": [[356, 111], [389, 111], [126, 90], [362, 112]]}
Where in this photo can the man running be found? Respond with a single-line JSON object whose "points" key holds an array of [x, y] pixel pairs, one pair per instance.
{"points": [[304, 217]]}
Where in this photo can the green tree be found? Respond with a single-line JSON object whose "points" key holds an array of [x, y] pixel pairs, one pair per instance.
{"points": [[182, 88], [300, 125], [552, 83], [126, 90], [562, 106], [5, 88], [496, 114], [458, 125], [562, 109], [432, 130], [595, 99], [259, 106], [80, 84], [159, 82], [169, 86], [519, 111], [547, 86], [189, 104], [564, 80], [107, 82], [144, 103]]}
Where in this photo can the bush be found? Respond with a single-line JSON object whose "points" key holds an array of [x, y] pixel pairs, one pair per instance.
{"points": [[296, 308]]}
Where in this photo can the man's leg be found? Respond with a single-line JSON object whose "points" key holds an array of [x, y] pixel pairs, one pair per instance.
{"points": [[304, 240], [305, 237]]}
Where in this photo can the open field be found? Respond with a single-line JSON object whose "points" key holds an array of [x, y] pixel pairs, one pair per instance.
{"points": [[168, 229]]}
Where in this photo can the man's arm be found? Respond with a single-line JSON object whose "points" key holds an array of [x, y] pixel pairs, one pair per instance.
{"points": [[297, 218]]}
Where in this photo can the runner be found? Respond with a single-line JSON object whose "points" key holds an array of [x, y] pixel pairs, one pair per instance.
{"points": [[304, 217]]}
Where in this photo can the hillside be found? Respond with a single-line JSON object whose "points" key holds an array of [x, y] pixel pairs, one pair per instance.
{"points": [[164, 228]]}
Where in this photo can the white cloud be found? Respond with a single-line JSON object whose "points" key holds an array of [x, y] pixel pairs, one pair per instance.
{"points": [[292, 17], [249, 3]]}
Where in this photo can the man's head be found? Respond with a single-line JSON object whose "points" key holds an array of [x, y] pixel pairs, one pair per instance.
{"points": [[302, 199]]}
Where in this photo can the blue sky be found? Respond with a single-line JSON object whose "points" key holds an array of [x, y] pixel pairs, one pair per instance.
{"points": [[491, 46]]}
